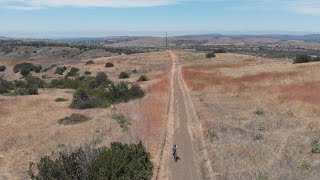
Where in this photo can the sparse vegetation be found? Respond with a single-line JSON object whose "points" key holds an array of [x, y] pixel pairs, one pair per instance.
{"points": [[87, 73], [60, 99], [259, 112], [210, 54], [60, 70], [143, 78], [119, 161], [74, 119], [211, 135], [122, 120], [315, 147], [109, 64], [73, 72], [3, 68], [90, 62], [31, 90], [124, 75], [304, 166]]}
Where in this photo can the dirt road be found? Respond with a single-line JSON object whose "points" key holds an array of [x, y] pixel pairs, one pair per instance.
{"points": [[185, 167]]}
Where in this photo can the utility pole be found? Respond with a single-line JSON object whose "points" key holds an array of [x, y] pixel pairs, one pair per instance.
{"points": [[166, 41]]}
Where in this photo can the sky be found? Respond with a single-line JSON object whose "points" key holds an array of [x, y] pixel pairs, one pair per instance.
{"points": [[98, 18]]}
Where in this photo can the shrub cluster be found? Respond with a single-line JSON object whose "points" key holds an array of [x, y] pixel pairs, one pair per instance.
{"points": [[123, 93], [6, 86], [90, 62], [119, 161], [210, 54], [27, 87], [302, 58], [124, 75], [26, 68], [109, 64], [2, 68], [60, 70]]}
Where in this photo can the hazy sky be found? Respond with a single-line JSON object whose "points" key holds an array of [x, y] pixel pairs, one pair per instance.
{"points": [[71, 18]]}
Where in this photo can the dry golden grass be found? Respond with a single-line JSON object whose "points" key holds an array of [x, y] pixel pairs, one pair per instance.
{"points": [[261, 115], [29, 125]]}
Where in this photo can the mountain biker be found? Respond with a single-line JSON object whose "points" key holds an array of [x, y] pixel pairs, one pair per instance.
{"points": [[174, 149]]}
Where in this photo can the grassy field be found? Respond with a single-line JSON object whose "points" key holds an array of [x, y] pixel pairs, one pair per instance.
{"points": [[260, 116], [29, 127]]}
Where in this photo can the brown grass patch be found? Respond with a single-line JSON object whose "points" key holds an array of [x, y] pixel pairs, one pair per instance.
{"points": [[306, 92]]}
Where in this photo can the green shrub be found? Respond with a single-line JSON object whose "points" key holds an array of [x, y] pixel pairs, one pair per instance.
{"points": [[6, 86], [122, 93], [109, 64], [24, 72], [123, 121], [73, 72], [143, 78], [90, 62], [26, 91], [219, 51], [60, 70], [134, 71], [35, 82], [101, 79], [86, 99], [124, 75], [61, 99], [210, 54], [2, 68], [26, 67], [119, 161], [302, 58], [50, 67], [74, 119], [87, 73], [315, 147]]}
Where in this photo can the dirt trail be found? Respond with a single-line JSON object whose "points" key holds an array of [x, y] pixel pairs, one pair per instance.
{"points": [[186, 167]]}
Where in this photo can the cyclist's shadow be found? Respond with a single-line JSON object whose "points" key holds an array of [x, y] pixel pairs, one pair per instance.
{"points": [[176, 158]]}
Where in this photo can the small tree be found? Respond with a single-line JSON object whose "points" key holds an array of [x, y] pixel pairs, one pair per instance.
{"points": [[59, 70], [109, 64], [124, 75]]}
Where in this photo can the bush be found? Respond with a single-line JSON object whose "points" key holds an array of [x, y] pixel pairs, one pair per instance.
{"points": [[90, 62], [5, 86], [26, 91], [122, 93], [210, 54], [143, 78], [101, 79], [60, 70], [219, 51], [25, 72], [61, 99], [123, 121], [302, 58], [2, 68], [26, 67], [119, 161], [73, 72], [124, 75], [74, 119], [87, 73], [109, 64], [86, 99], [35, 82], [315, 147]]}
